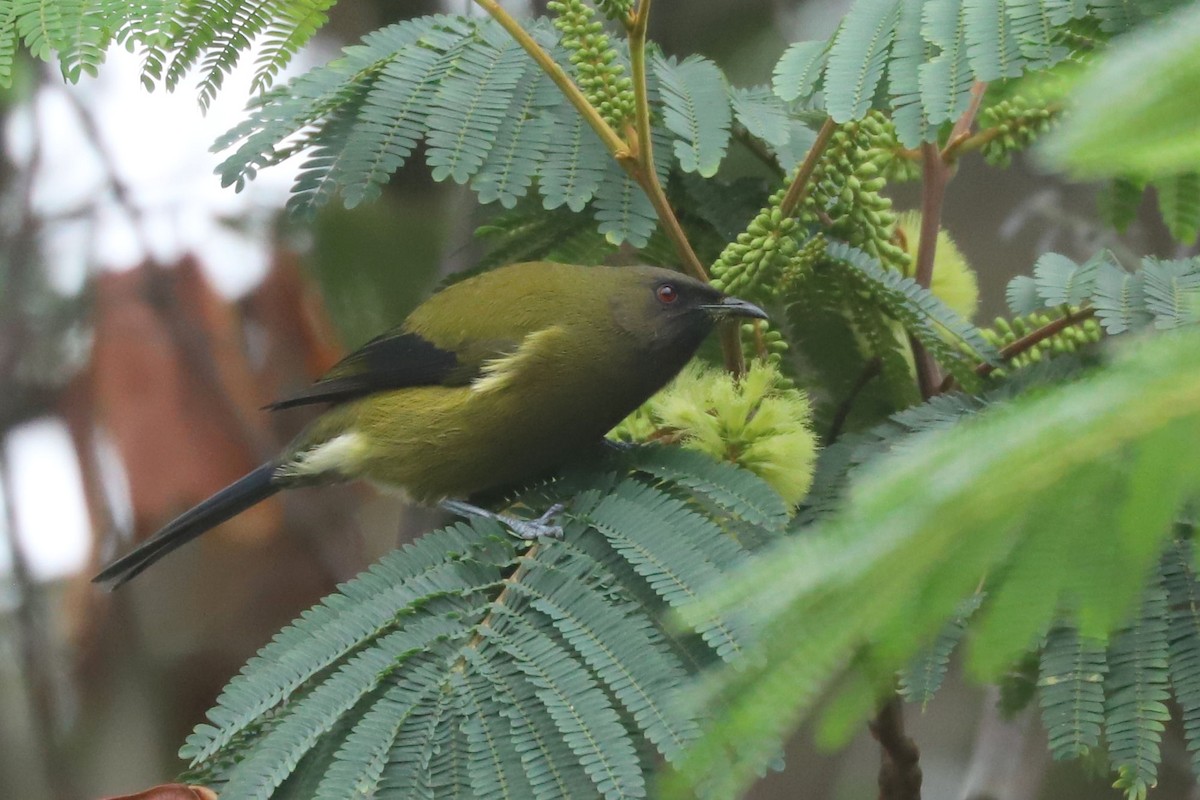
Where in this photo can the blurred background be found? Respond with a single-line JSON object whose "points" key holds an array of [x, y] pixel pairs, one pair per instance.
{"points": [[146, 314]]}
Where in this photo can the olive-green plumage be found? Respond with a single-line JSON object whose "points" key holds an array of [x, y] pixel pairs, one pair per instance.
{"points": [[490, 382]]}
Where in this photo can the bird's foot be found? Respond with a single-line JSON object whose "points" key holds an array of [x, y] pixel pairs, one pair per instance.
{"points": [[526, 529], [534, 529]]}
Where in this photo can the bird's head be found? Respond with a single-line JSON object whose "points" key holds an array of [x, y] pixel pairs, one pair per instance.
{"points": [[668, 309]]}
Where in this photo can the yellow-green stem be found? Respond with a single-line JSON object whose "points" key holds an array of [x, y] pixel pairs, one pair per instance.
{"points": [[731, 340], [612, 141]]}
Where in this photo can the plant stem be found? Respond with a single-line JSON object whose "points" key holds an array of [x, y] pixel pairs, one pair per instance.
{"points": [[1036, 337], [638, 160], [962, 126], [871, 371], [936, 175], [900, 768], [731, 343], [612, 141], [645, 173], [799, 188]]}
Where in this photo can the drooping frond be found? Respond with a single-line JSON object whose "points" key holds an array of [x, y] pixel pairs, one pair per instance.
{"points": [[1179, 578], [1071, 691], [924, 676], [1136, 694], [919, 310], [1179, 204]]}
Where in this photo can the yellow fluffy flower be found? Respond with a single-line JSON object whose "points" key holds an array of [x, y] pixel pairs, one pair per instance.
{"points": [[953, 279], [757, 422]]}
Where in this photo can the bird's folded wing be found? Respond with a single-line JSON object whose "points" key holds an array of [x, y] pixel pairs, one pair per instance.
{"points": [[400, 359]]}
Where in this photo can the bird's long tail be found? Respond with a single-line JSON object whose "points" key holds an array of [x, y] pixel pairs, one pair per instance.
{"points": [[225, 504]]}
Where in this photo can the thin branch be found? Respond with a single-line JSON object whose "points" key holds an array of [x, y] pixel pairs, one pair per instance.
{"points": [[645, 174], [612, 141], [758, 150], [900, 767], [1036, 337], [638, 161], [872, 370], [936, 175], [962, 126], [799, 188]]}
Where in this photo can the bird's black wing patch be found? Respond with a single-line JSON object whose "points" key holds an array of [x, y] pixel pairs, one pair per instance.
{"points": [[394, 360]]}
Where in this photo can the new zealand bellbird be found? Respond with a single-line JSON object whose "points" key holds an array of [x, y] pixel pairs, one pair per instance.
{"points": [[488, 383]]}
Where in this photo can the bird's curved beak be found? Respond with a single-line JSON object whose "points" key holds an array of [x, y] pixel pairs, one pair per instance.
{"points": [[734, 307]]}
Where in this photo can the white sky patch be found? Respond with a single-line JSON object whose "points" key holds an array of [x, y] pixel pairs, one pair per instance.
{"points": [[53, 530], [157, 146]]}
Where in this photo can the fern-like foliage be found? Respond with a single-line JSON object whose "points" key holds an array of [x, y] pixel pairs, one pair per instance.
{"points": [[919, 58], [513, 671], [696, 110], [1136, 689], [924, 676], [1071, 691], [986, 509], [1163, 293]]}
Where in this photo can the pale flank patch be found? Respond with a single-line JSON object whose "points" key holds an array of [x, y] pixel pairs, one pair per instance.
{"points": [[499, 373], [327, 457]]}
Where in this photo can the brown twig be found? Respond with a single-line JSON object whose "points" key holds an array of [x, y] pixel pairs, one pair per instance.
{"points": [[870, 372], [962, 126], [486, 622], [936, 176], [900, 767], [757, 149], [799, 187], [1036, 337]]}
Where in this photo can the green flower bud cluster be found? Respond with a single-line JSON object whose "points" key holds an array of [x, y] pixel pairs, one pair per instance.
{"points": [[1017, 121], [1005, 332], [766, 343], [752, 265], [800, 268], [599, 72], [888, 154], [615, 9], [845, 190]]}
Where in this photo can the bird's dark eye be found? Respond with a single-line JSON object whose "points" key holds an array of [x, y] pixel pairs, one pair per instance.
{"points": [[666, 293]]}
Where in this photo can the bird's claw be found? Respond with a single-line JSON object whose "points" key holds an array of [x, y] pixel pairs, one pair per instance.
{"points": [[533, 529]]}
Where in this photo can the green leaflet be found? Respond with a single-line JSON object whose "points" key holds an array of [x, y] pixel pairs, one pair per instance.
{"points": [[1136, 692], [762, 114], [575, 164], [1165, 293], [1179, 204], [922, 678], [799, 69], [696, 109], [524, 135], [1183, 638], [857, 58], [1071, 691], [470, 103]]}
